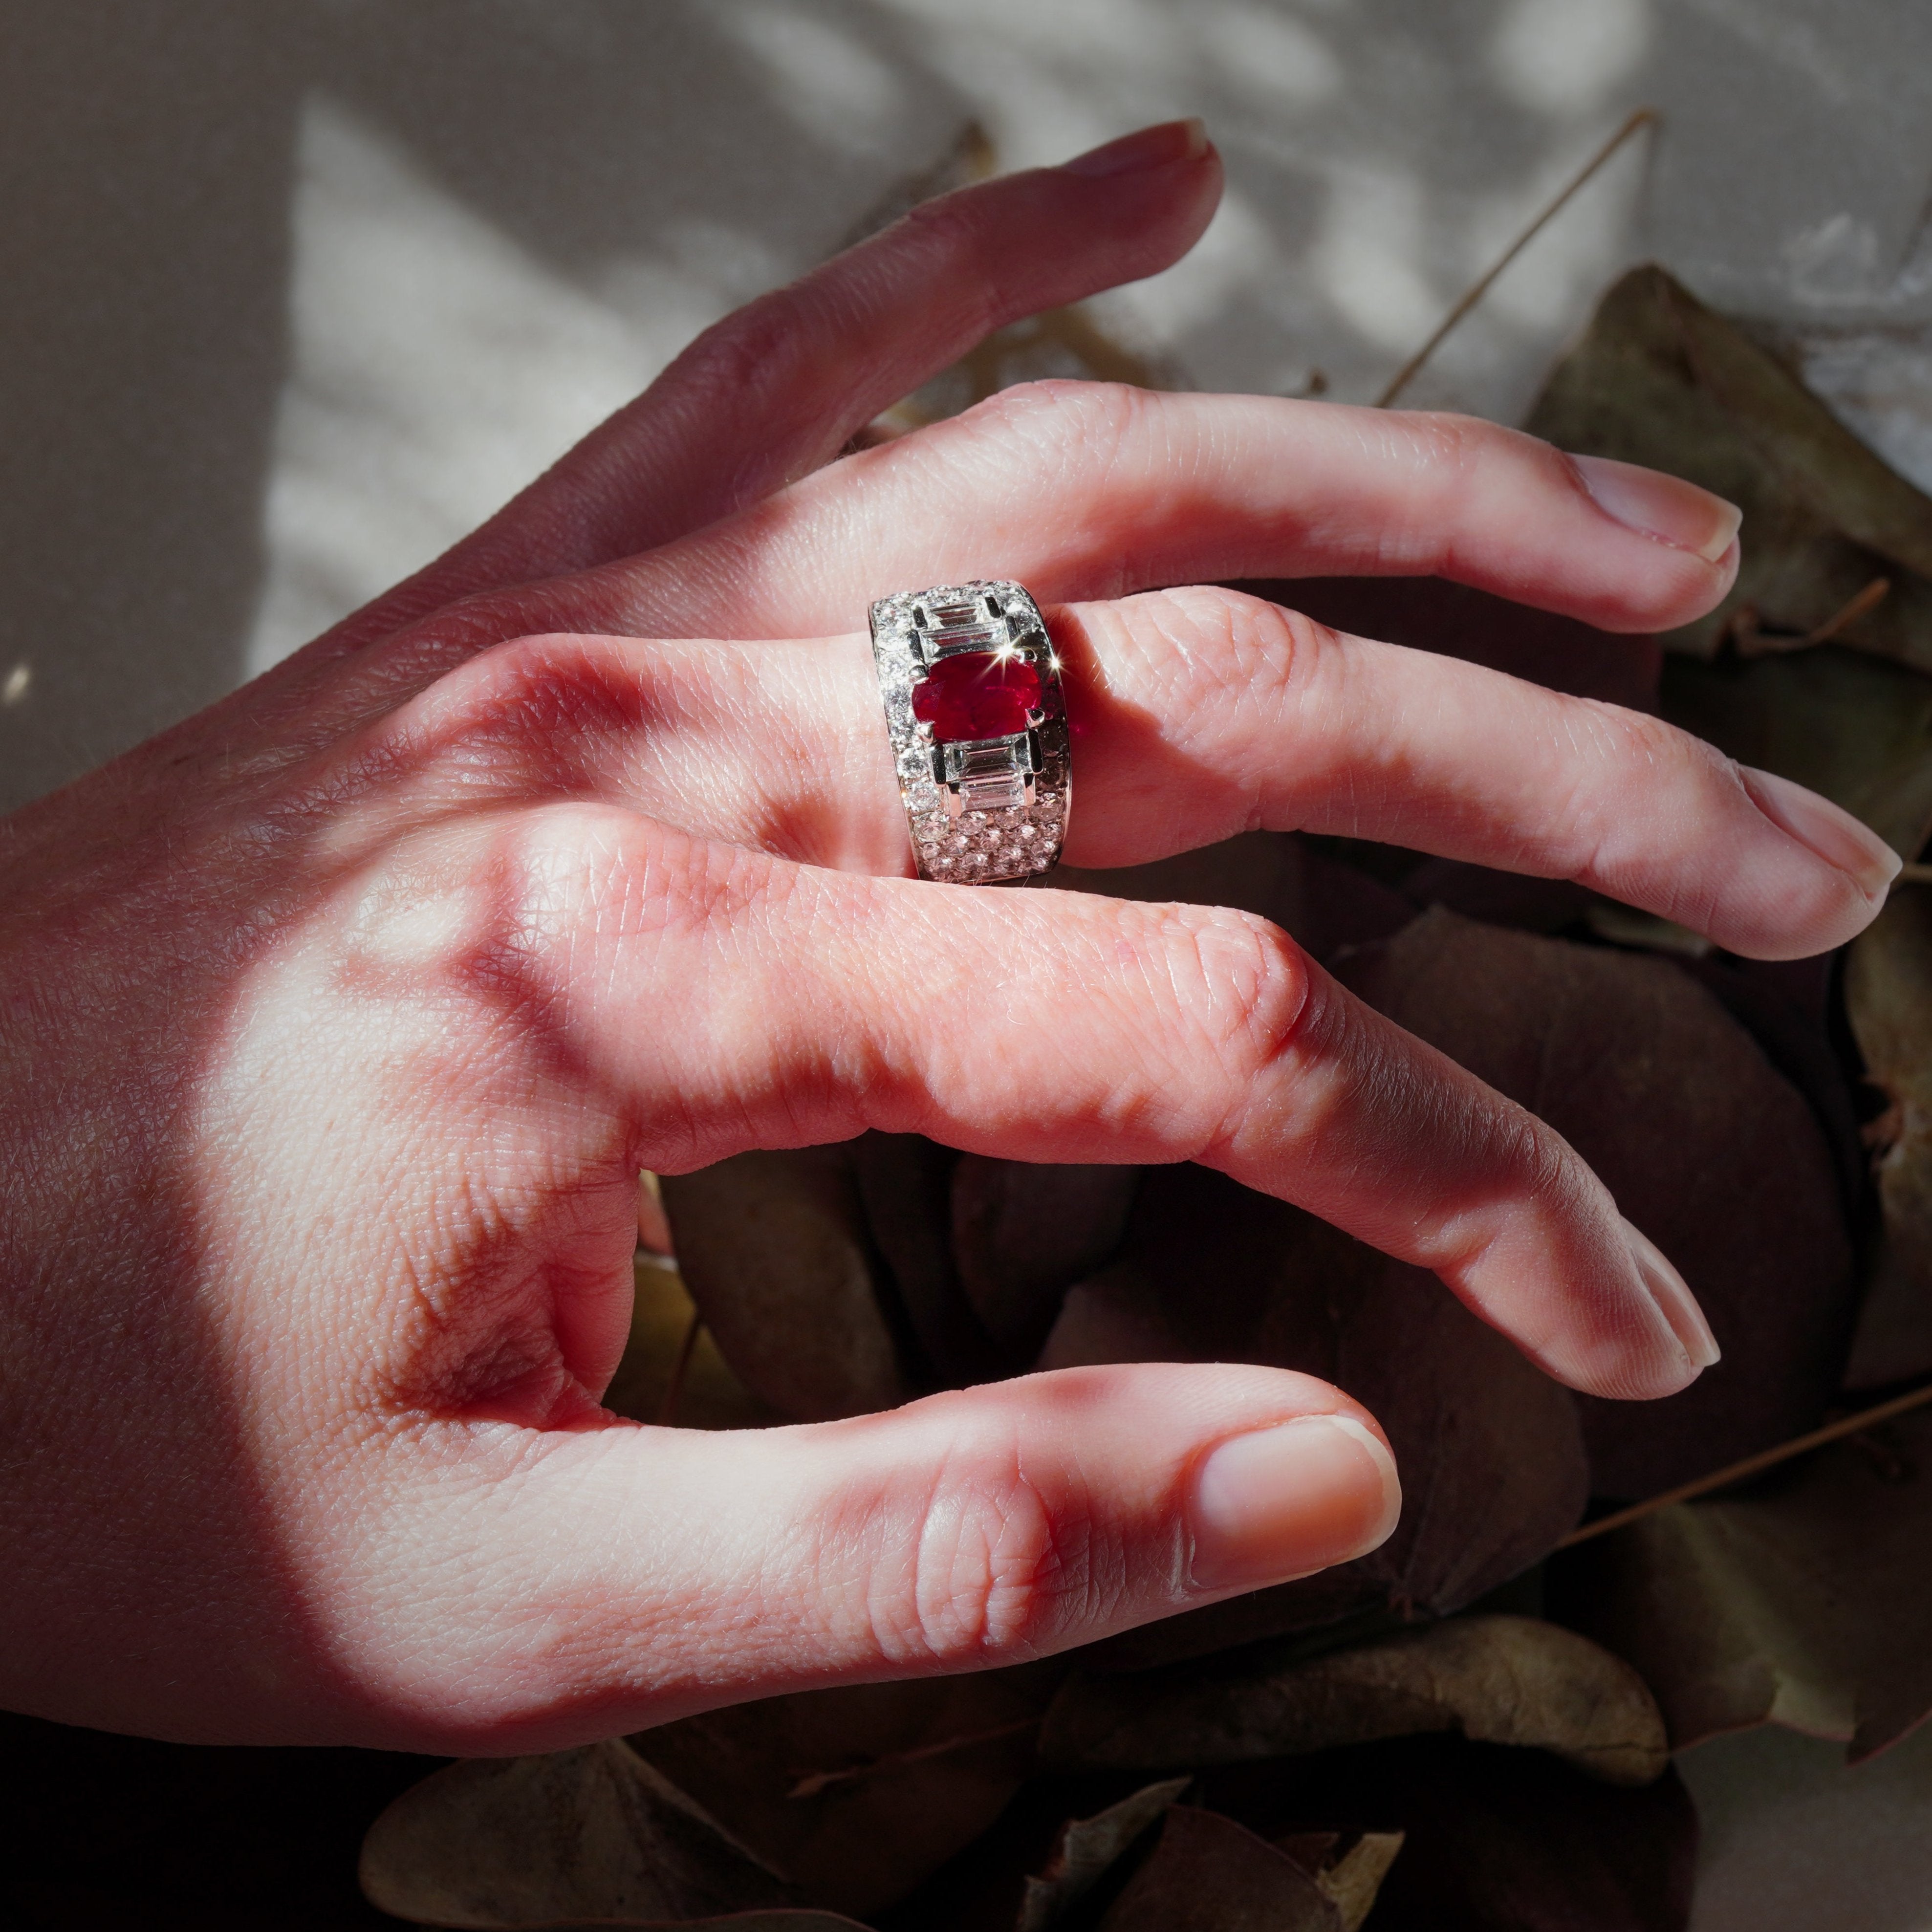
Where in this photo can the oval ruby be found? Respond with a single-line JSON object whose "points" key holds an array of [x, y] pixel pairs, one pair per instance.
{"points": [[976, 694]]}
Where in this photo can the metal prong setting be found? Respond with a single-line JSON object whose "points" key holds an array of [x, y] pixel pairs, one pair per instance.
{"points": [[982, 811]]}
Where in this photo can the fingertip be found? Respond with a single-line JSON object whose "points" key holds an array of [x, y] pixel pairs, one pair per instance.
{"points": [[1826, 830], [1671, 1294], [1166, 145], [1274, 1503], [1666, 508]]}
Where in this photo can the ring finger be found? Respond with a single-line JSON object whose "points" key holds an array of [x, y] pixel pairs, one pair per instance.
{"points": [[1198, 714]]}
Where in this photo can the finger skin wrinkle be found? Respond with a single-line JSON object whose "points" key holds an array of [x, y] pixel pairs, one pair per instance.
{"points": [[978, 1568]]}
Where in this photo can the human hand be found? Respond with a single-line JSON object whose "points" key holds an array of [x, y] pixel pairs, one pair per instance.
{"points": [[338, 1022]]}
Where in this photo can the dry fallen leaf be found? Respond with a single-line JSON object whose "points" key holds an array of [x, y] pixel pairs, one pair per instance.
{"points": [[1352, 1877], [1490, 1449], [1206, 1874], [856, 1793], [1808, 1602], [1659, 380], [1087, 1849], [1889, 1001], [1498, 1679], [1494, 1839], [1705, 1146], [772, 1247], [670, 1372], [1022, 1233], [595, 1833], [1431, 614]]}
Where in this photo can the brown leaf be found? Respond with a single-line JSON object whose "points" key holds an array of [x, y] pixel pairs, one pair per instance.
{"points": [[1427, 613], [859, 1843], [595, 1833], [1022, 1233], [1709, 1150], [1352, 1878], [1662, 380], [1857, 729], [1889, 1001], [1087, 1849], [1275, 875], [799, 1918], [1497, 1679], [709, 1395], [1490, 1449], [905, 1183], [772, 1248], [1807, 1603], [1495, 1839], [1209, 1874]]}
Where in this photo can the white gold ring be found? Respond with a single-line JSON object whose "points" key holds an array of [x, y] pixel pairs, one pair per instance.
{"points": [[978, 721]]}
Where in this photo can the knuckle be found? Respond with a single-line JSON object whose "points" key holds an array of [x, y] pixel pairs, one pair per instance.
{"points": [[1243, 988], [739, 356], [1064, 416], [993, 1571], [1217, 644]]}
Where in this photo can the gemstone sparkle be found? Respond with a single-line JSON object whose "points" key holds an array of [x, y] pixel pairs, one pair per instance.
{"points": [[976, 694]]}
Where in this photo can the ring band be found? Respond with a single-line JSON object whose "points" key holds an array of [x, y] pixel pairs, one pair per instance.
{"points": [[978, 720]]}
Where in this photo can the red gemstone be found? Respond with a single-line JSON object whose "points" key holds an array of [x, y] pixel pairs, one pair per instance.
{"points": [[976, 694]]}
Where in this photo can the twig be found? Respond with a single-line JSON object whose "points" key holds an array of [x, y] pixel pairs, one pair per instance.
{"points": [[1914, 872], [812, 1786], [1643, 118], [1868, 599], [674, 1388], [1766, 1458]]}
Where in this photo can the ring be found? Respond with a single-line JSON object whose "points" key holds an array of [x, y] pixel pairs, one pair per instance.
{"points": [[978, 721]]}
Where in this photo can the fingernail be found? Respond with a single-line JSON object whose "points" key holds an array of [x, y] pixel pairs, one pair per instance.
{"points": [[1667, 507], [1281, 1502], [1675, 1301], [1821, 827], [1159, 147]]}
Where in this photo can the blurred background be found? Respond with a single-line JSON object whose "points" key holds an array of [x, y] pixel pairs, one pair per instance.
{"points": [[295, 294]]}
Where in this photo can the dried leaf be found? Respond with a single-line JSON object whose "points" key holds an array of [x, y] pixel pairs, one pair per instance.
{"points": [[1353, 1878], [1022, 1233], [595, 1833], [1807, 1604], [1498, 1679], [1857, 729], [1495, 1839], [1490, 1448], [1428, 614], [1662, 380], [1889, 1001], [799, 1918], [1087, 1849], [1209, 1874], [905, 1182], [709, 1395], [1706, 1147], [1274, 874], [859, 1843], [772, 1248]]}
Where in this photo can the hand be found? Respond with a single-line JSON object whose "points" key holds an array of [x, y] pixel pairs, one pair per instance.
{"points": [[338, 1021]]}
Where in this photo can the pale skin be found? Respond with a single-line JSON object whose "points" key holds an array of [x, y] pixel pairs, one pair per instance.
{"points": [[336, 1024]]}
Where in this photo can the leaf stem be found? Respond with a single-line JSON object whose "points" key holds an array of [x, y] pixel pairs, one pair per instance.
{"points": [[1766, 1458], [1644, 117], [674, 1388]]}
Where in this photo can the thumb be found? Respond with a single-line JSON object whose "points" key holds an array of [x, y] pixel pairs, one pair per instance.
{"points": [[623, 1576]]}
